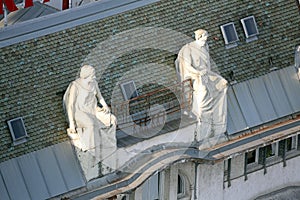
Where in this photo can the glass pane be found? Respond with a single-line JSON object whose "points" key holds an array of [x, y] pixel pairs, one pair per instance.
{"points": [[230, 33], [130, 90], [250, 26], [18, 128]]}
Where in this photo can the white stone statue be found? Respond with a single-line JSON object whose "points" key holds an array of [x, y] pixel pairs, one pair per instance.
{"points": [[209, 96], [95, 127]]}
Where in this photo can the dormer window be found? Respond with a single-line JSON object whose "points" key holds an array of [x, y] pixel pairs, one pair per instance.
{"points": [[229, 34], [129, 90], [17, 130], [250, 28]]}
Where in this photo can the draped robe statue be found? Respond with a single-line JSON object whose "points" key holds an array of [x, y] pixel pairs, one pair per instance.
{"points": [[209, 95], [94, 127]]}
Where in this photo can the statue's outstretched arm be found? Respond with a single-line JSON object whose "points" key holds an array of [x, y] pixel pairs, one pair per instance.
{"points": [[101, 99]]}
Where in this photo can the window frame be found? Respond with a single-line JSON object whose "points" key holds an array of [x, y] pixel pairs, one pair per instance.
{"points": [[21, 139], [294, 142], [274, 149], [277, 157], [253, 166], [122, 85], [255, 151], [229, 44], [268, 158], [252, 37]]}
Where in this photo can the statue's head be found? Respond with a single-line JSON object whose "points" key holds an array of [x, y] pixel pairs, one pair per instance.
{"points": [[201, 34], [86, 71]]}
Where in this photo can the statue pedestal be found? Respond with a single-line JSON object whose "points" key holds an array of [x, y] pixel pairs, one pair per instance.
{"points": [[86, 160], [209, 135], [92, 167], [210, 142]]}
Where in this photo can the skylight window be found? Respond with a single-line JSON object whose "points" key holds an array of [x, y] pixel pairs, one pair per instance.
{"points": [[129, 90], [229, 34], [250, 28], [17, 130]]}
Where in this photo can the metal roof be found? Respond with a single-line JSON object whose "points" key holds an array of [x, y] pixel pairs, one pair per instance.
{"points": [[37, 10], [263, 99], [66, 19], [41, 175]]}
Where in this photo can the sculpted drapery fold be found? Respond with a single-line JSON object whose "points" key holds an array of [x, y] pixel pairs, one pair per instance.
{"points": [[94, 126], [209, 95]]}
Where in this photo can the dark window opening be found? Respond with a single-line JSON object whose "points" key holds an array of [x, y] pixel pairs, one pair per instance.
{"points": [[289, 144], [270, 150], [298, 143], [251, 157], [180, 185]]}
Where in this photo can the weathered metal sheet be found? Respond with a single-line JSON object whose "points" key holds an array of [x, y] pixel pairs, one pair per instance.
{"points": [[41, 175], [33, 177], [247, 104], [14, 181], [3, 192], [262, 100], [291, 85], [69, 166], [235, 119], [51, 172], [277, 94]]}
